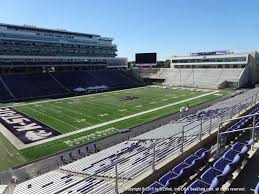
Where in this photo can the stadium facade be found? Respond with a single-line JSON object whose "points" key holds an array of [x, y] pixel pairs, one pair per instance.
{"points": [[27, 46], [39, 63], [214, 70], [246, 66]]}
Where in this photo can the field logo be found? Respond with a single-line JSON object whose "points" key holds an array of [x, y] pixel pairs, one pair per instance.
{"points": [[37, 135], [25, 128]]}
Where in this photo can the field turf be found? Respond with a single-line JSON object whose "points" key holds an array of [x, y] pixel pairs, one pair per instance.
{"points": [[71, 114]]}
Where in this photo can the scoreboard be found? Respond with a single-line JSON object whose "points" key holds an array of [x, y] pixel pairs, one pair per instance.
{"points": [[146, 59]]}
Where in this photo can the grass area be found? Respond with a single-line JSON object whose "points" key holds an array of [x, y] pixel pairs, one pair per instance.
{"points": [[76, 113], [10, 156], [70, 114]]}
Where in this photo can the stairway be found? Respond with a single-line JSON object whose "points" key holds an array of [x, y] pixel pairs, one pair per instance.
{"points": [[6, 87]]}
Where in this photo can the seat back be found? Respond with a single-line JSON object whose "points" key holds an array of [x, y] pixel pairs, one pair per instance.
{"points": [[243, 152], [220, 164], [224, 175], [209, 175], [214, 184], [165, 178], [235, 163], [257, 188], [229, 155]]}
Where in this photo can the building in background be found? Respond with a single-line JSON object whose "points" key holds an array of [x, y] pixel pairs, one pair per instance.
{"points": [[217, 68], [45, 63], [213, 70], [33, 47]]}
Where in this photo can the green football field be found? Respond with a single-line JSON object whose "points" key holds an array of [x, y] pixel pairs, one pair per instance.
{"points": [[92, 117]]}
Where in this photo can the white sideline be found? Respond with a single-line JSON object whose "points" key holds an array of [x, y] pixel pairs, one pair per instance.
{"points": [[95, 94], [72, 97], [23, 146]]}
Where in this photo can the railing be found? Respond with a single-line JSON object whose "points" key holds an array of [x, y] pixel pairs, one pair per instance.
{"points": [[207, 125], [191, 133], [238, 130]]}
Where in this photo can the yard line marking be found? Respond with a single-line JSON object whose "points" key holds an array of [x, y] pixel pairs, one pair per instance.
{"points": [[107, 105], [81, 104], [100, 104], [113, 121], [74, 118], [74, 97], [79, 120], [71, 111], [52, 117], [102, 115], [3, 146], [122, 110]]}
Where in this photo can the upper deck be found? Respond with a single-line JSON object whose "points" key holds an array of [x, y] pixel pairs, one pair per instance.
{"points": [[213, 59]]}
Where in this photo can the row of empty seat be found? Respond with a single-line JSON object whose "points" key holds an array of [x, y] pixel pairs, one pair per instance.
{"points": [[3, 188], [91, 185], [21, 86], [239, 125], [60, 182], [223, 167], [180, 173], [221, 171], [212, 177], [31, 85], [48, 183], [198, 77], [132, 158]]}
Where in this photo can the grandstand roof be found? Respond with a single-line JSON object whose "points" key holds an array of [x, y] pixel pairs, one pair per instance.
{"points": [[61, 31]]}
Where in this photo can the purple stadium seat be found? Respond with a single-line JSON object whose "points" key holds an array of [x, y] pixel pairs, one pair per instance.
{"points": [[257, 189], [164, 180]]}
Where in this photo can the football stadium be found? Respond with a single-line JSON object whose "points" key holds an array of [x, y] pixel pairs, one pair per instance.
{"points": [[77, 118]]}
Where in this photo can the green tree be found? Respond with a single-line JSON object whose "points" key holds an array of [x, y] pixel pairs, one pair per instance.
{"points": [[167, 63]]}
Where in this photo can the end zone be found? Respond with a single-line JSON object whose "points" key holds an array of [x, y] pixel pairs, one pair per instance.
{"points": [[22, 129]]}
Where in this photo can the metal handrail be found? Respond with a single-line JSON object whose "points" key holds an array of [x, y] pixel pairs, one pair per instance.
{"points": [[234, 131]]}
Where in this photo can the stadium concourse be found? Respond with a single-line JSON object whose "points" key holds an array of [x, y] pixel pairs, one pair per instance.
{"points": [[146, 158]]}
